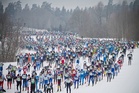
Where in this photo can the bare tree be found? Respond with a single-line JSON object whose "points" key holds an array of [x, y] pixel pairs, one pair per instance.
{"points": [[9, 39]]}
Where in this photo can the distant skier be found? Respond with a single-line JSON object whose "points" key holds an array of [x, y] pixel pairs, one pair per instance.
{"points": [[59, 80], [91, 78], [129, 58], [9, 80], [28, 83], [36, 81], [82, 77], [19, 81], [76, 81], [33, 84], [109, 75], [113, 71], [55, 76], [28, 67], [68, 83], [24, 78], [50, 76], [49, 88], [46, 80], [41, 82]]}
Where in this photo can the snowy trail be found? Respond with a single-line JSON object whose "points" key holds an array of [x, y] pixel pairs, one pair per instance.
{"points": [[126, 81]]}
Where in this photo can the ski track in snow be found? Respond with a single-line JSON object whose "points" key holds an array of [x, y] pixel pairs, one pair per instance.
{"points": [[127, 80]]}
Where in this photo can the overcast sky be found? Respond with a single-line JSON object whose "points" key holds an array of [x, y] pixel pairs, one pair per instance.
{"points": [[68, 4]]}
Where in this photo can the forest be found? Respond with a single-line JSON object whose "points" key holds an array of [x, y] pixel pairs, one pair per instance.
{"points": [[100, 21]]}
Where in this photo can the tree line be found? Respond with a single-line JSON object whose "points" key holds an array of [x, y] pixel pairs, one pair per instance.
{"points": [[9, 36], [100, 21]]}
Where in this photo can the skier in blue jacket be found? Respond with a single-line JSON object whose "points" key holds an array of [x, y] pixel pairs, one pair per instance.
{"points": [[104, 58], [46, 80], [37, 81], [113, 71], [76, 81], [91, 78], [50, 76], [38, 65], [24, 78], [82, 77]]}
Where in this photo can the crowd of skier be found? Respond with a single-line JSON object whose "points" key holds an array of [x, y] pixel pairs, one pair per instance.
{"points": [[65, 59]]}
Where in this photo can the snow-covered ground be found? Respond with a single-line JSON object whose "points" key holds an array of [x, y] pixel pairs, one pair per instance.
{"points": [[127, 80], [33, 29]]}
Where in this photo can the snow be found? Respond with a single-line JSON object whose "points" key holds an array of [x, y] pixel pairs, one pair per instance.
{"points": [[126, 81], [27, 51], [33, 29]]}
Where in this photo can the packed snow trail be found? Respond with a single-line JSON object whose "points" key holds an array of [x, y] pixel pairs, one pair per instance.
{"points": [[126, 81]]}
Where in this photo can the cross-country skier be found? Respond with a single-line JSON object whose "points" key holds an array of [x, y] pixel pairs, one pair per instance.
{"points": [[82, 77], [50, 76], [9, 80], [129, 58], [24, 78], [109, 75], [55, 76], [59, 80], [36, 81], [113, 71], [41, 82], [91, 78], [38, 65], [76, 81], [28, 83], [19, 81], [33, 84], [48, 88], [68, 83]]}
